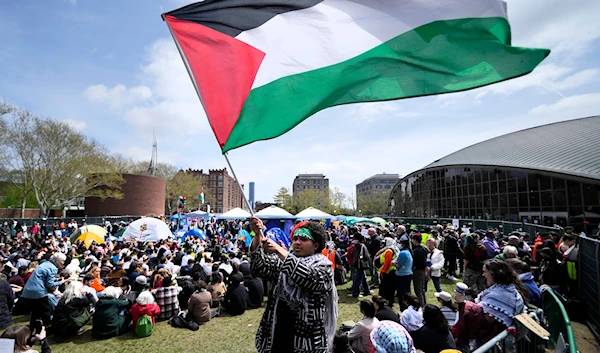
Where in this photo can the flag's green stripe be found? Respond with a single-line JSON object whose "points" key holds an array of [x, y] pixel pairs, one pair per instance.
{"points": [[440, 57]]}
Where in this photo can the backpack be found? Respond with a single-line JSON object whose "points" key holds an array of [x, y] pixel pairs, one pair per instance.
{"points": [[144, 328], [181, 321]]}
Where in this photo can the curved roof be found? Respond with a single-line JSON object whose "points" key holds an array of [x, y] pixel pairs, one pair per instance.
{"points": [[569, 147]]}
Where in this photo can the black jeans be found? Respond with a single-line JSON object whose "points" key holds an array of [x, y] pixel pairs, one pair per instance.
{"points": [[451, 264], [40, 309]]}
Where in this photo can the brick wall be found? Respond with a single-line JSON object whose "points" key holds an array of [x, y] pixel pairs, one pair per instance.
{"points": [[16, 213], [142, 195]]}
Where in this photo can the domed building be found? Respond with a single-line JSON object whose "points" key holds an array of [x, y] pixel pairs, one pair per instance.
{"points": [[548, 174]]}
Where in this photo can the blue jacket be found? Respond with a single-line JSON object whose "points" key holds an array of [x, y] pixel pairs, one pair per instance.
{"points": [[40, 282], [535, 295], [404, 263]]}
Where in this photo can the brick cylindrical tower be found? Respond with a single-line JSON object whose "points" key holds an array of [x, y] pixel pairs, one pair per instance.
{"points": [[142, 195]]}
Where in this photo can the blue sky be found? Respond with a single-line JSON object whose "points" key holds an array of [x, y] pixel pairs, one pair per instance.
{"points": [[111, 69]]}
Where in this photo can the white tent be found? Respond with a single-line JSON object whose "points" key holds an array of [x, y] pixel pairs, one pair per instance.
{"points": [[274, 212], [146, 229], [198, 214], [315, 214], [236, 213]]}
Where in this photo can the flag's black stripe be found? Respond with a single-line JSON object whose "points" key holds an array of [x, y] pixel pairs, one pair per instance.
{"points": [[235, 16]]}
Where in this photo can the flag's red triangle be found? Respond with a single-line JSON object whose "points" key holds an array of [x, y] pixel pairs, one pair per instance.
{"points": [[223, 69]]}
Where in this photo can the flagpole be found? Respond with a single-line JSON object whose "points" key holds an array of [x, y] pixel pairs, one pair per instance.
{"points": [[187, 66], [239, 185]]}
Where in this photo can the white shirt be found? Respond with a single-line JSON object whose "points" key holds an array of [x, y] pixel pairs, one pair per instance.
{"points": [[412, 319]]}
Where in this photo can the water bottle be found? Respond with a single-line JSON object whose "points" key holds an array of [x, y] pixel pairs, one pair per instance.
{"points": [[510, 344]]}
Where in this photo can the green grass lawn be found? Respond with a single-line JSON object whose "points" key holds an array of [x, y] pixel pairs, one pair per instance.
{"points": [[222, 334]]}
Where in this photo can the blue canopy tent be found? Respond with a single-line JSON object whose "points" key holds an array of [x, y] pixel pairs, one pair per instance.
{"points": [[194, 232], [276, 217]]}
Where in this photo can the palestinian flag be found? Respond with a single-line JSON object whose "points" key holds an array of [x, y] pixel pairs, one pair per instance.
{"points": [[260, 67], [201, 196]]}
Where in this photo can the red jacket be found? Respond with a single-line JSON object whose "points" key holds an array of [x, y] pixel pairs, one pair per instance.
{"points": [[348, 254], [472, 324], [138, 310]]}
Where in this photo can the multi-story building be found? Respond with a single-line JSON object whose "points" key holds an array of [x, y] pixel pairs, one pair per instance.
{"points": [[224, 193], [310, 182], [378, 185]]}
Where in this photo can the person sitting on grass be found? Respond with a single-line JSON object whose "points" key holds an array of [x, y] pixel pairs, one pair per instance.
{"points": [[24, 339], [383, 311], [411, 318], [109, 319], [390, 337], [144, 305], [358, 336], [434, 336], [200, 303], [167, 298], [236, 300], [72, 311], [97, 283], [448, 308], [217, 288]]}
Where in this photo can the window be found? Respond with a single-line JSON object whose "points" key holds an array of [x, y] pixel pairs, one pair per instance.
{"points": [[545, 182], [574, 190], [220, 184], [220, 177]]}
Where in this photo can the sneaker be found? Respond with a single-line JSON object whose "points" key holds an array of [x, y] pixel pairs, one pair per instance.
{"points": [[360, 296], [452, 278], [371, 292]]}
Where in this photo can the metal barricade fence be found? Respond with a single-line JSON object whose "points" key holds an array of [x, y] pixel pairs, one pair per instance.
{"points": [[506, 227], [557, 320], [588, 275], [528, 342]]}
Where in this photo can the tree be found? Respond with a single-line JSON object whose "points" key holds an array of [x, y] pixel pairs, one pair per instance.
{"points": [[310, 198], [54, 162], [182, 184], [374, 204], [283, 199]]}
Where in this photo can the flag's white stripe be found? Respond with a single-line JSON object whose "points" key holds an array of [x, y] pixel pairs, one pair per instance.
{"points": [[337, 30]]}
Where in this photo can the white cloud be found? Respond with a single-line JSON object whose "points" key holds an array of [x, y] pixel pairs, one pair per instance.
{"points": [[78, 125], [566, 27], [574, 107], [376, 111], [117, 96]]}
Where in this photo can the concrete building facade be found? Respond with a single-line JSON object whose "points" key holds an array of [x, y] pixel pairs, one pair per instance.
{"points": [[310, 182]]}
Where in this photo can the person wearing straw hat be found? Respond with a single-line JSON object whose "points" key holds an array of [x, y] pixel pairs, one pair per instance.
{"points": [[301, 311]]}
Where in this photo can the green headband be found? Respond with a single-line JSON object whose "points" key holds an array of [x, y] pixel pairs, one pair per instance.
{"points": [[304, 233]]}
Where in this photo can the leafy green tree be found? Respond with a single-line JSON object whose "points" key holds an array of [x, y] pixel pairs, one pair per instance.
{"points": [[283, 199], [373, 204]]}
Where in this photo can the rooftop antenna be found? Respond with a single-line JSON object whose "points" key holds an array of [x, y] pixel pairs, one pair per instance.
{"points": [[152, 167]]}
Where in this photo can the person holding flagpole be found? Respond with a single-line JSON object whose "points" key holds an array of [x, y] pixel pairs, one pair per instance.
{"points": [[301, 311]]}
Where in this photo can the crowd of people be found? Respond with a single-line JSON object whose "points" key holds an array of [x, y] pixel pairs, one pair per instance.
{"points": [[121, 287]]}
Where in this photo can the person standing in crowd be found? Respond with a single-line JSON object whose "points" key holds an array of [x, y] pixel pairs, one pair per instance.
{"points": [[361, 260], [404, 272], [420, 254], [42, 282], [387, 270], [374, 246], [451, 250], [436, 257], [301, 312], [7, 300], [475, 255], [359, 336]]}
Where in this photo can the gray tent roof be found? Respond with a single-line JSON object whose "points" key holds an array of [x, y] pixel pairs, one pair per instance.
{"points": [[569, 147]]}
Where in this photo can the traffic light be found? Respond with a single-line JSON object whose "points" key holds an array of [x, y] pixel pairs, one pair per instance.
{"points": [[184, 201]]}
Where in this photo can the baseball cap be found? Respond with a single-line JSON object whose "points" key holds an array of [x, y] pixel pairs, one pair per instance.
{"points": [[141, 280], [445, 296]]}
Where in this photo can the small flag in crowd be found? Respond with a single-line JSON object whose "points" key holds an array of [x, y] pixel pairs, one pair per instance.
{"points": [[201, 196]]}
